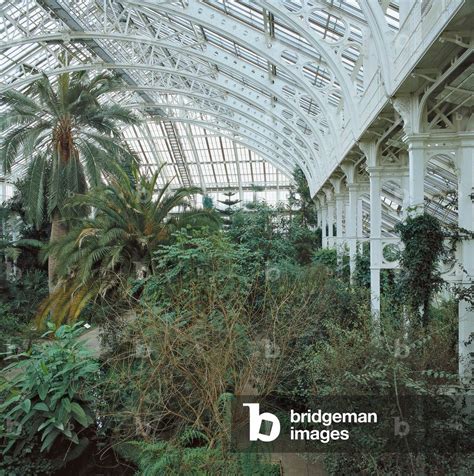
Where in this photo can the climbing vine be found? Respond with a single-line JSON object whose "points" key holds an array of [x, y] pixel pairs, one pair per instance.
{"points": [[423, 238]]}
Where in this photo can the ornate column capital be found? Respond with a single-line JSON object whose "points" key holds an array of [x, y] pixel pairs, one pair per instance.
{"points": [[321, 196], [408, 107], [337, 183], [329, 194], [370, 148], [349, 169]]}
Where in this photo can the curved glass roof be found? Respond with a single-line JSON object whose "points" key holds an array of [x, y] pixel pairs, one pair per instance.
{"points": [[235, 93]]}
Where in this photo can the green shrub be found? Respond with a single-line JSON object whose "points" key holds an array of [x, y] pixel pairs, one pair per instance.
{"points": [[47, 395], [329, 258], [26, 294], [347, 361], [198, 265], [362, 267], [273, 234], [10, 330], [326, 257]]}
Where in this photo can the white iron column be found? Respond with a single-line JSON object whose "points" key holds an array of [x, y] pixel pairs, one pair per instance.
{"points": [[330, 222], [465, 164], [352, 227], [351, 214], [416, 177], [330, 204], [406, 196], [345, 242], [375, 240], [339, 220], [360, 217], [370, 150], [324, 223], [318, 213], [337, 183]]}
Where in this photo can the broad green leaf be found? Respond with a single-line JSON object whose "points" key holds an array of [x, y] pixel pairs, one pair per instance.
{"points": [[43, 391], [41, 406], [49, 421], [49, 440], [26, 405], [66, 404], [9, 402], [79, 414]]}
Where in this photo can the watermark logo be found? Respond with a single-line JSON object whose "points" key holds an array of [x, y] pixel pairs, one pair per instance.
{"points": [[271, 349], [402, 351], [255, 424], [272, 273], [401, 428]]}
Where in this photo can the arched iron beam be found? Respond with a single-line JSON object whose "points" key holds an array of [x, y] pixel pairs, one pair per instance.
{"points": [[224, 61], [349, 91], [258, 123], [239, 128], [276, 142], [239, 138], [229, 27], [381, 33], [261, 126]]}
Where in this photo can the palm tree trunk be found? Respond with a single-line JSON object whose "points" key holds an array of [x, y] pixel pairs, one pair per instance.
{"points": [[58, 230]]}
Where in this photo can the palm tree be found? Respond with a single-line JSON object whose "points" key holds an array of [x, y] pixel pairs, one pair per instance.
{"points": [[132, 219], [68, 139]]}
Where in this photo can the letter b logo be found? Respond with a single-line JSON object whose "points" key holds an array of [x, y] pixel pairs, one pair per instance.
{"points": [[256, 422]]}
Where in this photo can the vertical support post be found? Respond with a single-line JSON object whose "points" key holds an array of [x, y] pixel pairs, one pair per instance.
{"points": [[375, 241], [318, 212], [360, 216], [345, 241], [370, 149], [330, 223], [351, 214], [324, 214], [465, 164], [416, 177], [351, 224], [339, 219]]}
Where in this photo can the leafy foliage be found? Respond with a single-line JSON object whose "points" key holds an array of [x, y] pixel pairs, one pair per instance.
{"points": [[207, 202], [26, 292], [47, 394], [65, 133], [10, 329], [198, 264], [338, 357], [163, 458], [300, 199], [132, 218], [206, 314], [423, 238], [189, 344], [273, 234]]}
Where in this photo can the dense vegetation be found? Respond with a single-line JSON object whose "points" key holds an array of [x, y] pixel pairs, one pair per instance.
{"points": [[191, 313]]}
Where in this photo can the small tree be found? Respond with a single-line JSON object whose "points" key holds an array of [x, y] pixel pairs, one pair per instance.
{"points": [[300, 198]]}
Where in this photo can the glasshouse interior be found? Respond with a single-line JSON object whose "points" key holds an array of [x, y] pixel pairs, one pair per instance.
{"points": [[211, 202]]}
